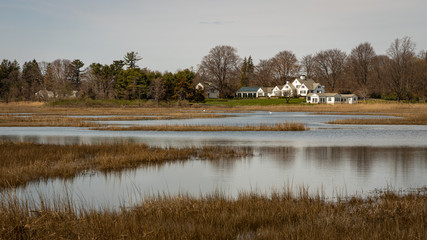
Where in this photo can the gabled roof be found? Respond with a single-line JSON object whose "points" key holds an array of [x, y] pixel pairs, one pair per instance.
{"points": [[309, 84], [323, 94], [290, 85], [328, 94], [267, 89], [348, 95], [248, 89]]}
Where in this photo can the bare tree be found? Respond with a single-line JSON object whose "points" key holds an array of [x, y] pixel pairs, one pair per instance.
{"points": [[286, 66], [380, 75], [221, 67], [307, 65], [330, 67], [59, 77], [421, 76], [157, 90], [361, 62], [361, 66], [264, 73], [402, 55], [288, 95]]}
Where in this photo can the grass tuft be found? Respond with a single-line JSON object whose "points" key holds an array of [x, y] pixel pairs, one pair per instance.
{"points": [[25, 162], [292, 126], [214, 216]]}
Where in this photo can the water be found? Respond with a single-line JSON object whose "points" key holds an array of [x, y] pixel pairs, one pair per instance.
{"points": [[332, 159]]}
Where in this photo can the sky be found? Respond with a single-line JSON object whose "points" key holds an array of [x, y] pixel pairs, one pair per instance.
{"points": [[173, 35]]}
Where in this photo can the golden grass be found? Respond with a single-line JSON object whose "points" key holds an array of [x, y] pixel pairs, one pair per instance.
{"points": [[404, 119], [409, 111], [286, 126], [251, 216], [37, 120], [24, 162]]}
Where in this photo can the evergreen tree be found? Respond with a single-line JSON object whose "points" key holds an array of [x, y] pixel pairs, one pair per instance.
{"points": [[32, 79], [131, 58], [76, 65], [183, 89], [9, 76], [247, 71]]}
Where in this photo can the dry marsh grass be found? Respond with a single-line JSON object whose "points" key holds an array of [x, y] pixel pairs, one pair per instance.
{"points": [[404, 119], [21, 163], [411, 113], [9, 120], [286, 126], [250, 216]]}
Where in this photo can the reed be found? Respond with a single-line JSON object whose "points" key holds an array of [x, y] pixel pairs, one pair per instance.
{"points": [[404, 119], [9, 120], [21, 163], [286, 126], [408, 110], [250, 216]]}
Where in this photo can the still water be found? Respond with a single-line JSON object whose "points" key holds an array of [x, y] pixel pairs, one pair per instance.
{"points": [[332, 159]]}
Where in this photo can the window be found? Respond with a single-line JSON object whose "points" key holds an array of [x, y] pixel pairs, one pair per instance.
{"points": [[329, 99], [308, 99]]}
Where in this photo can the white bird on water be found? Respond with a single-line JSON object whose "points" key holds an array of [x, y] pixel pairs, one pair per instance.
{"points": [[270, 113]]}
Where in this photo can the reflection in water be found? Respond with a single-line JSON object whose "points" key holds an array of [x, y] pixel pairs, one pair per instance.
{"points": [[334, 170], [335, 158]]}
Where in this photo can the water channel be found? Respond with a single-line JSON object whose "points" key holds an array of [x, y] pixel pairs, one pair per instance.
{"points": [[335, 160]]}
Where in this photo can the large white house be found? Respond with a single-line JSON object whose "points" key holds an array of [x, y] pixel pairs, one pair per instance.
{"points": [[305, 86], [299, 87]]}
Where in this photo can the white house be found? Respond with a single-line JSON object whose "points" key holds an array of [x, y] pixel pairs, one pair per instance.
{"points": [[265, 92], [248, 92], [277, 91], [329, 98], [210, 90], [305, 86], [349, 98], [289, 90]]}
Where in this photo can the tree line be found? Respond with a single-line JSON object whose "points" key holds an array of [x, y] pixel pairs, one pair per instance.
{"points": [[401, 74], [122, 79]]}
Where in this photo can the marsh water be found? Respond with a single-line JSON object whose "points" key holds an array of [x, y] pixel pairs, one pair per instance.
{"points": [[334, 160]]}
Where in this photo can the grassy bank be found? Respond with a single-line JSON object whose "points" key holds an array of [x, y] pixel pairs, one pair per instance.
{"points": [[291, 126], [405, 119], [252, 102], [251, 216], [410, 113], [50, 120], [21, 163]]}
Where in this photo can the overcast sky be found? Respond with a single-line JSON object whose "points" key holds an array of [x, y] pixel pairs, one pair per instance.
{"points": [[172, 35]]}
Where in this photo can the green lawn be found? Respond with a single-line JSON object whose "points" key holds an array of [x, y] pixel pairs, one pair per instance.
{"points": [[252, 101]]}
